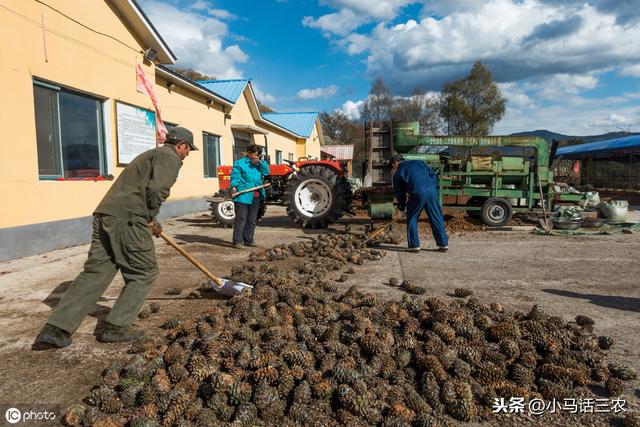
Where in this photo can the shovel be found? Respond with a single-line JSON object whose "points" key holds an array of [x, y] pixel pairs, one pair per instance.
{"points": [[224, 287], [545, 223], [379, 231], [220, 199]]}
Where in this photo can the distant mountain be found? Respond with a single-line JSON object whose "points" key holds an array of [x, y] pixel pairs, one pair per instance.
{"points": [[548, 135]]}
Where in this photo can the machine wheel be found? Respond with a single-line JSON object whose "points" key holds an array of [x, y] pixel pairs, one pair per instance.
{"points": [[317, 196], [496, 212], [475, 201], [224, 213]]}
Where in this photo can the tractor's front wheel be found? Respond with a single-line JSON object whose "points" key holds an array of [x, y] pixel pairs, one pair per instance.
{"points": [[317, 196]]}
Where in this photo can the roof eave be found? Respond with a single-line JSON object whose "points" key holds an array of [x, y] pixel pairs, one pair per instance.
{"points": [[189, 84], [280, 128], [255, 110], [291, 132], [141, 24]]}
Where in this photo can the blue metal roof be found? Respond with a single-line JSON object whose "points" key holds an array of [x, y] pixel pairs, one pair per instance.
{"points": [[298, 123], [600, 147], [227, 89]]}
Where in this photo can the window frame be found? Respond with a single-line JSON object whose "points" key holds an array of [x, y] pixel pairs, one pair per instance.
{"points": [[240, 136], [100, 121], [278, 157], [205, 154]]}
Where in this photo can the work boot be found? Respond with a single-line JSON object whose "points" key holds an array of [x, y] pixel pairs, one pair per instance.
{"points": [[114, 333], [53, 336], [237, 246], [252, 244]]}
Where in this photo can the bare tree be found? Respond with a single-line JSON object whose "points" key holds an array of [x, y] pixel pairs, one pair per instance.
{"points": [[192, 74], [264, 108], [377, 107], [419, 107], [338, 129]]}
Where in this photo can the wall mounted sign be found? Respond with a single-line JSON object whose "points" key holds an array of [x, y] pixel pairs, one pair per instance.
{"points": [[136, 131]]}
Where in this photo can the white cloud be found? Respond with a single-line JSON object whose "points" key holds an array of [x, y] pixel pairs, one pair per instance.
{"points": [[380, 9], [352, 109], [617, 122], [221, 13], [200, 5], [320, 92], [352, 14], [446, 7], [340, 23], [264, 97], [559, 86], [516, 40], [204, 6], [516, 96], [631, 71], [198, 41], [573, 115]]}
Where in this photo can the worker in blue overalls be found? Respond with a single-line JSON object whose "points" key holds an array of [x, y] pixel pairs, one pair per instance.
{"points": [[419, 181]]}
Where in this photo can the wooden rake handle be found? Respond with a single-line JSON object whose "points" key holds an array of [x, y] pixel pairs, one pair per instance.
{"points": [[381, 229], [267, 185], [188, 256]]}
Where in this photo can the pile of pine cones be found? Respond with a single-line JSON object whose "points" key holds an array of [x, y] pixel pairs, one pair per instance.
{"points": [[344, 248], [294, 353]]}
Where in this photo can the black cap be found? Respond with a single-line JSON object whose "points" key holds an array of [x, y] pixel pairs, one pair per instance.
{"points": [[396, 158], [178, 134]]}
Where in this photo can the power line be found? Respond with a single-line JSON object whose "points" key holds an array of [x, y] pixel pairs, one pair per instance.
{"points": [[69, 38], [87, 27]]}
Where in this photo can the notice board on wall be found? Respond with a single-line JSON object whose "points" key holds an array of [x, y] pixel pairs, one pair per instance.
{"points": [[136, 131]]}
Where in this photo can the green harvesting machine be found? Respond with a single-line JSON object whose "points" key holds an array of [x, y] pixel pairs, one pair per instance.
{"points": [[489, 177]]}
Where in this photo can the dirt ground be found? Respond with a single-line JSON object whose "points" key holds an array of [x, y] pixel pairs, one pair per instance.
{"points": [[596, 276]]}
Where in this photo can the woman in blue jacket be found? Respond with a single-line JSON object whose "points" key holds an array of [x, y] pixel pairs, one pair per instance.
{"points": [[247, 172]]}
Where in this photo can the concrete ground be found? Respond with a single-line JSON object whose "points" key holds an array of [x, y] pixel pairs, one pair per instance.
{"points": [[596, 276]]}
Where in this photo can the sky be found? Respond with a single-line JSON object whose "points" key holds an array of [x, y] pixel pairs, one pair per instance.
{"points": [[569, 66]]}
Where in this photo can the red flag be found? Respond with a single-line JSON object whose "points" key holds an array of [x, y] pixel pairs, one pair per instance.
{"points": [[576, 167], [144, 85]]}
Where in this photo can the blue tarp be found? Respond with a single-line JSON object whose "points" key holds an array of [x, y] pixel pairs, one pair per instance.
{"points": [[609, 146]]}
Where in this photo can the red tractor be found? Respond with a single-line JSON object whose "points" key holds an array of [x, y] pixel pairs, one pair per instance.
{"points": [[315, 192]]}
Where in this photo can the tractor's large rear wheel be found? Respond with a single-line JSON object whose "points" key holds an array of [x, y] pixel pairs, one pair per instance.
{"points": [[317, 196], [224, 213]]}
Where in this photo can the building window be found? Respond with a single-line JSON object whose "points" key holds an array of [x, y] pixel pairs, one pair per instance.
{"points": [[69, 133], [241, 140], [291, 157], [211, 154], [278, 157]]}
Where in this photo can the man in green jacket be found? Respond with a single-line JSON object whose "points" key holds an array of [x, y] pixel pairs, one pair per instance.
{"points": [[123, 224], [247, 172]]}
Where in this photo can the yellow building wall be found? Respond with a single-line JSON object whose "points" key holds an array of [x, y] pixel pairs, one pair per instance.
{"points": [[72, 56], [187, 109], [312, 144], [309, 147]]}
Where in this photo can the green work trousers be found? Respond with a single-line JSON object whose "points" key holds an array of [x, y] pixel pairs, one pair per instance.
{"points": [[118, 243]]}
